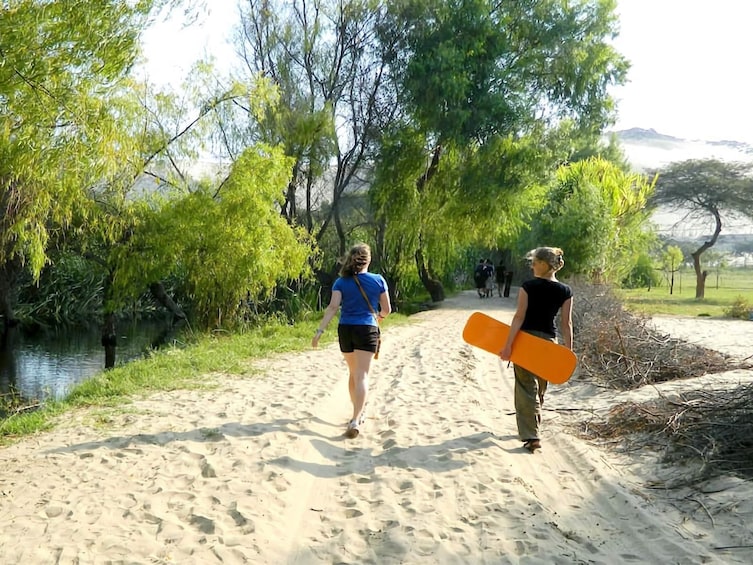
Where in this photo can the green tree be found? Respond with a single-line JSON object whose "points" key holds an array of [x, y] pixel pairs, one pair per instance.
{"points": [[672, 259], [643, 273], [599, 215], [702, 190], [468, 71], [480, 195], [229, 243], [58, 138]]}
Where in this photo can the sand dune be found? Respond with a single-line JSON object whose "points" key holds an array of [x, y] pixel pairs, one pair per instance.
{"points": [[258, 471]]}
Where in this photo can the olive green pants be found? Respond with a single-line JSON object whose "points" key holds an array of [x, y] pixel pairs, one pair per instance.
{"points": [[529, 396]]}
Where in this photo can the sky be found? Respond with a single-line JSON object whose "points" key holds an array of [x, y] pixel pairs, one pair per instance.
{"points": [[689, 78], [690, 74]]}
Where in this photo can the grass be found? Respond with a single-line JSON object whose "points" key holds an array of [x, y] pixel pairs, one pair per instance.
{"points": [[191, 367], [721, 293]]}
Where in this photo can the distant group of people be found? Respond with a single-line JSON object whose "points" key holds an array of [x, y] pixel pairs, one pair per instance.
{"points": [[486, 276], [362, 300]]}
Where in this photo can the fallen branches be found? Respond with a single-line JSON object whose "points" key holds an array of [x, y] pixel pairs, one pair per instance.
{"points": [[622, 350], [710, 429]]}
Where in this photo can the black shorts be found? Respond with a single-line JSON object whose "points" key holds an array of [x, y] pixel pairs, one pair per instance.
{"points": [[352, 337]]}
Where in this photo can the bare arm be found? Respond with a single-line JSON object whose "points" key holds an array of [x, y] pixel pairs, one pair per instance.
{"points": [[329, 313], [517, 322], [566, 323], [385, 308]]}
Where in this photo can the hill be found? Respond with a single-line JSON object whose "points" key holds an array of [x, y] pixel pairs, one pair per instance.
{"points": [[647, 150]]}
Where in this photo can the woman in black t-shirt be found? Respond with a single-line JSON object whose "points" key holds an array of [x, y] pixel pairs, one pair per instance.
{"points": [[539, 300]]}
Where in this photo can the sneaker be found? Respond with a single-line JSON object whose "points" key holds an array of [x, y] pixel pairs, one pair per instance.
{"points": [[353, 429]]}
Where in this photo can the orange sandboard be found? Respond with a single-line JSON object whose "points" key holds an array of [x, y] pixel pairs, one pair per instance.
{"points": [[550, 361]]}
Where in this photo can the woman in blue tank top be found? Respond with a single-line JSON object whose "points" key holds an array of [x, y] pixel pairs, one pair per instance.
{"points": [[539, 300], [363, 300]]}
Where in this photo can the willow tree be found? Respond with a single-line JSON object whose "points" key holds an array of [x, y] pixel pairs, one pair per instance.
{"points": [[60, 62], [480, 195], [599, 215], [227, 242], [468, 71], [706, 189]]}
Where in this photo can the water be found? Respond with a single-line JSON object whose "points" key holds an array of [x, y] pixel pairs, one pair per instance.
{"points": [[48, 365]]}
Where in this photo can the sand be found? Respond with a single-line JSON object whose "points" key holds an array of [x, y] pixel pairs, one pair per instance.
{"points": [[257, 470]]}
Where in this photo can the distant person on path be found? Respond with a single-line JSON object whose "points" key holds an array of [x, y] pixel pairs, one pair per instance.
{"points": [[479, 278], [539, 300], [489, 283], [499, 277], [508, 284], [358, 329]]}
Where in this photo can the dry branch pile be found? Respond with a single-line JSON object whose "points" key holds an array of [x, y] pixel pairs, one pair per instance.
{"points": [[622, 351], [711, 429]]}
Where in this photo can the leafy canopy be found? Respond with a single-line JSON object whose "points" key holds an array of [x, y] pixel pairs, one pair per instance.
{"points": [[60, 62], [230, 245], [598, 214]]}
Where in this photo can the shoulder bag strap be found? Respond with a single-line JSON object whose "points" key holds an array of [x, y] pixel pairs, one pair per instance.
{"points": [[366, 298]]}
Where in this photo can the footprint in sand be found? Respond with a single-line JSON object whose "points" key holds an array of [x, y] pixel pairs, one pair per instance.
{"points": [[246, 525], [202, 523]]}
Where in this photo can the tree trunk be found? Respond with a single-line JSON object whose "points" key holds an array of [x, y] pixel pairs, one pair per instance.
{"points": [[160, 295], [9, 273], [700, 279], [288, 209], [432, 285], [700, 275], [109, 340]]}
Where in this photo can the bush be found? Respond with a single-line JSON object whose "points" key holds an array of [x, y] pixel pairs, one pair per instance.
{"points": [[643, 274], [740, 309]]}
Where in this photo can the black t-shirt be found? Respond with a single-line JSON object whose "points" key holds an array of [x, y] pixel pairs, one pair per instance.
{"points": [[480, 274], [545, 298]]}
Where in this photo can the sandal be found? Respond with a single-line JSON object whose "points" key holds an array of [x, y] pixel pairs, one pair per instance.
{"points": [[532, 444]]}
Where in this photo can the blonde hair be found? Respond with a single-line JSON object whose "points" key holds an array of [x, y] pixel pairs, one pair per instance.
{"points": [[552, 256], [358, 256]]}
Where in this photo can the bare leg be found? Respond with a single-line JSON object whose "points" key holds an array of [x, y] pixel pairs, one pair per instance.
{"points": [[359, 363]]}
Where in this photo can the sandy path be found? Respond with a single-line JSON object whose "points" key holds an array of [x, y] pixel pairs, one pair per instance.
{"points": [[257, 471]]}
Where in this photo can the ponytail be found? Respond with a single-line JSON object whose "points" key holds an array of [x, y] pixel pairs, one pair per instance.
{"points": [[356, 259], [552, 256]]}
